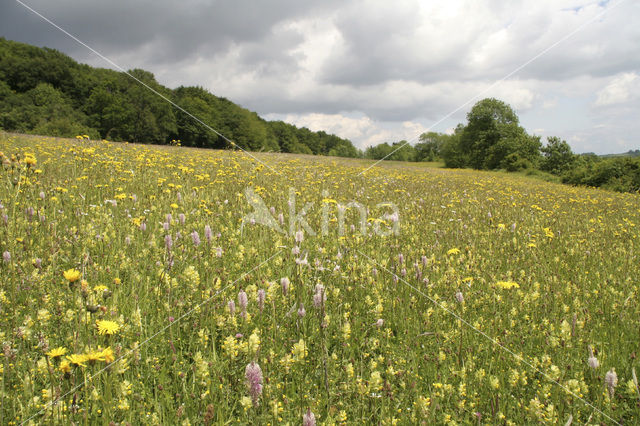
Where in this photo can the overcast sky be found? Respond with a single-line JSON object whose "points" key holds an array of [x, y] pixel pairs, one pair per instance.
{"points": [[374, 71]]}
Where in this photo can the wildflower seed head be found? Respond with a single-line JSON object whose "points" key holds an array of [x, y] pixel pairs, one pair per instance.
{"points": [[284, 282], [611, 381], [319, 296], [592, 361]]}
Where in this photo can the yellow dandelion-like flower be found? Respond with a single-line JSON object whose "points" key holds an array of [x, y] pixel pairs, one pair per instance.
{"points": [[77, 360], [507, 285], [108, 356], [453, 251], [93, 356], [65, 366], [57, 352], [107, 327], [72, 275]]}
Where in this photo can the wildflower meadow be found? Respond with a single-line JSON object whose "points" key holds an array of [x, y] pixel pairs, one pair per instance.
{"points": [[169, 285]]}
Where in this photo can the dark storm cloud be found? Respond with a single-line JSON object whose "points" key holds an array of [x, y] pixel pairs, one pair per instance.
{"points": [[172, 31], [408, 60]]}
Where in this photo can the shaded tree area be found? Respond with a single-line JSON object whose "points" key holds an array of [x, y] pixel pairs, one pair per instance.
{"points": [[43, 91]]}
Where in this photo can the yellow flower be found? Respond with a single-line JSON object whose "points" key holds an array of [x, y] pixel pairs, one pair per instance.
{"points": [[57, 352], [107, 353], [507, 285], [453, 251], [65, 366], [77, 360], [246, 403], [299, 350], [93, 356], [72, 275], [107, 327], [30, 160]]}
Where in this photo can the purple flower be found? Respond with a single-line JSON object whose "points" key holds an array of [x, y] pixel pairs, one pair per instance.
{"points": [[243, 302], [165, 226], [284, 282], [6, 256], [262, 295], [611, 381], [253, 375], [168, 241], [196, 238], [301, 311], [207, 233], [181, 218], [143, 226], [319, 297], [232, 307], [309, 419], [459, 297], [219, 252]]}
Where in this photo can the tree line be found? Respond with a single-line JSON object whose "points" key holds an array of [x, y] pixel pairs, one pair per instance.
{"points": [[492, 139], [43, 91]]}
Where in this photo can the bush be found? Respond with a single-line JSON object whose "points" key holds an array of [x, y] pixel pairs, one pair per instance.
{"points": [[515, 163]]}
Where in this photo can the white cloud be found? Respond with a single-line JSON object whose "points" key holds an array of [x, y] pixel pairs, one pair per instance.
{"points": [[365, 131], [621, 89], [363, 69]]}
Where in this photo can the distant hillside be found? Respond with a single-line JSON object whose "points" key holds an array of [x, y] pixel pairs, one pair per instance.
{"points": [[630, 153], [43, 91]]}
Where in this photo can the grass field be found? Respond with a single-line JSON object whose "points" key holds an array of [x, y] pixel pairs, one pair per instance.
{"points": [[133, 291]]}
